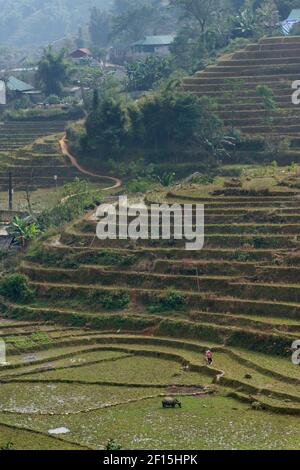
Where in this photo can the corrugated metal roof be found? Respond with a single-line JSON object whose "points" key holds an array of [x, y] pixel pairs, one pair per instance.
{"points": [[161, 40], [294, 15], [14, 84], [82, 50]]}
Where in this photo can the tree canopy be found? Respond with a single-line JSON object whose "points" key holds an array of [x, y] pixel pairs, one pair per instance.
{"points": [[53, 72]]}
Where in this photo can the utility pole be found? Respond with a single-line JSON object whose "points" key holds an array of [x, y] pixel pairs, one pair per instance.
{"points": [[10, 191]]}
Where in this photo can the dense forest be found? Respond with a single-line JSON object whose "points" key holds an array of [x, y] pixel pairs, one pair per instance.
{"points": [[39, 22]]}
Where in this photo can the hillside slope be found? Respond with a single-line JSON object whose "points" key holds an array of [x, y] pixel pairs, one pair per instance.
{"points": [[30, 151], [233, 82], [239, 295], [39, 22]]}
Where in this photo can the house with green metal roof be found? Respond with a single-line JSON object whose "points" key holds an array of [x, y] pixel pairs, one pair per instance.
{"points": [[159, 44], [18, 86]]}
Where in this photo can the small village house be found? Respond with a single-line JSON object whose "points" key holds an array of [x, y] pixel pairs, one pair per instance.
{"points": [[293, 18], [82, 53], [17, 89], [17, 86], [156, 45]]}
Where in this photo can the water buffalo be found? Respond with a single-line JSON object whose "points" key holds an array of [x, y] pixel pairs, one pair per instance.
{"points": [[170, 402]]}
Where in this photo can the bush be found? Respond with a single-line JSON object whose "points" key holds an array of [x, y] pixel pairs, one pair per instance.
{"points": [[113, 445], [7, 446], [172, 300], [16, 288], [114, 258], [241, 256], [144, 73], [117, 300], [75, 112], [141, 185], [53, 99]]}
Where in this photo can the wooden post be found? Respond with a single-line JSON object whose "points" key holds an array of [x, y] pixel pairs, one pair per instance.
{"points": [[10, 191]]}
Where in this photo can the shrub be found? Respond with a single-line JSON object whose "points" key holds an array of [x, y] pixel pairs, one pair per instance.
{"points": [[114, 258], [241, 256], [117, 300], [172, 300], [204, 179], [53, 99], [141, 185], [75, 112], [16, 288], [7, 446], [113, 445]]}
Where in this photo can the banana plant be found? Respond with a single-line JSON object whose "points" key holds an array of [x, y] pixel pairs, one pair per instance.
{"points": [[167, 179], [23, 229]]}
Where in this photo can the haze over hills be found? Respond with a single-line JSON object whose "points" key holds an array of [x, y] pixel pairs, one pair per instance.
{"points": [[38, 22]]}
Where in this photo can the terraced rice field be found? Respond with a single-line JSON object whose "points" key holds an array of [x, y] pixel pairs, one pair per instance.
{"points": [[31, 152], [103, 385], [245, 278], [116, 325], [16, 135], [240, 298], [232, 82]]}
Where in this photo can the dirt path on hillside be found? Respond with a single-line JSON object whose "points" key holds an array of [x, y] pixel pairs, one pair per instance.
{"points": [[65, 150]]}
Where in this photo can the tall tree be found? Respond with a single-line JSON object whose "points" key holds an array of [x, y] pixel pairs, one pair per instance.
{"points": [[79, 41], [204, 12], [267, 17], [132, 24], [107, 125], [100, 27], [144, 73], [53, 72]]}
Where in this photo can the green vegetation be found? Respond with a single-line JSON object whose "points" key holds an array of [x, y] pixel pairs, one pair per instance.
{"points": [[13, 438], [74, 112], [171, 301], [158, 125], [113, 445], [144, 73], [111, 300], [16, 288], [124, 378], [53, 72], [38, 24], [23, 230], [98, 332], [77, 196], [269, 104]]}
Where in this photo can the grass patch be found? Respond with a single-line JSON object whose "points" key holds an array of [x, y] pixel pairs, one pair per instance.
{"points": [[135, 370], [218, 423], [21, 439], [65, 398], [36, 339]]}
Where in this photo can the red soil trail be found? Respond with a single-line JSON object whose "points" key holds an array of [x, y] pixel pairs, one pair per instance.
{"points": [[66, 152]]}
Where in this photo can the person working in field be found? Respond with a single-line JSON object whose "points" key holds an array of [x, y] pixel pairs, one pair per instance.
{"points": [[209, 357]]}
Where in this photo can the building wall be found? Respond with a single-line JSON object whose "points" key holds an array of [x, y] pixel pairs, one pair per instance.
{"points": [[153, 50]]}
